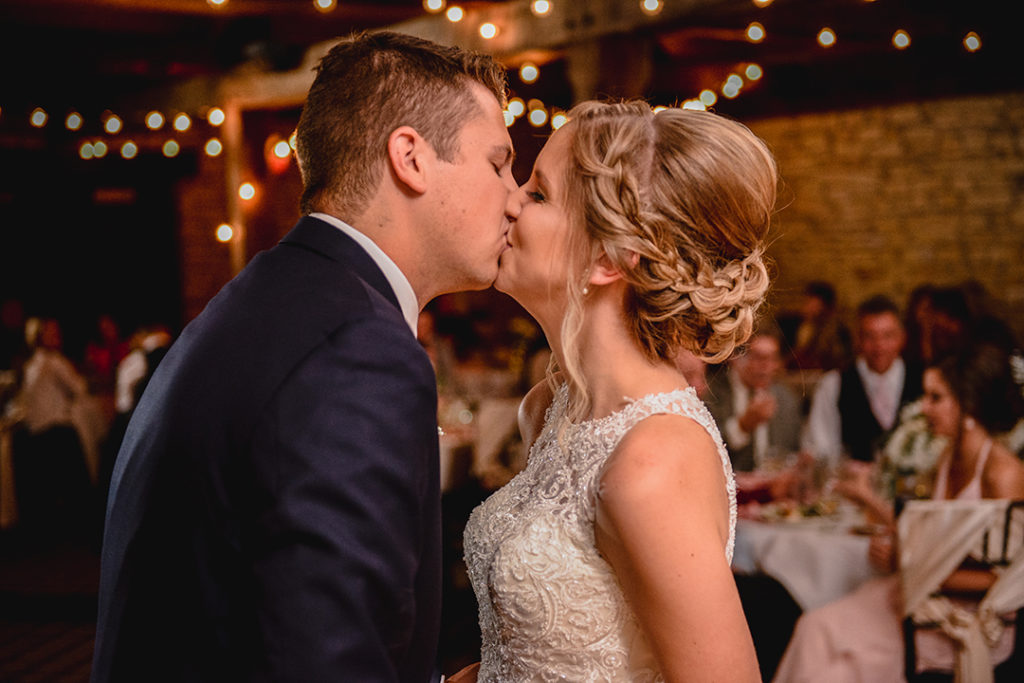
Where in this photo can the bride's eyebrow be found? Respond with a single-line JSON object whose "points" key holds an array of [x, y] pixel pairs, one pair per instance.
{"points": [[542, 180]]}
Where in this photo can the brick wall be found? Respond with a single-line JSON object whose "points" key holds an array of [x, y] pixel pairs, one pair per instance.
{"points": [[882, 199]]}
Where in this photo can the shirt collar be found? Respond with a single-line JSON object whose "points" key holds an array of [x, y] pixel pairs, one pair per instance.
{"points": [[399, 283], [894, 372]]}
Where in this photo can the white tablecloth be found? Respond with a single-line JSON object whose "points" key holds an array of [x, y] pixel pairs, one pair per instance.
{"points": [[818, 560]]}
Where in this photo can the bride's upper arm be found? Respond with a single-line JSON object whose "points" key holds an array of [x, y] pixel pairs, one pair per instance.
{"points": [[532, 410], [663, 525]]}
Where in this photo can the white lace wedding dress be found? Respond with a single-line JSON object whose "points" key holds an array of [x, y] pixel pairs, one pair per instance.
{"points": [[551, 608]]}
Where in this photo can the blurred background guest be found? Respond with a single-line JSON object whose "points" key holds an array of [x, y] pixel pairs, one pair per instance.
{"points": [[854, 408], [817, 338], [969, 398], [758, 416], [104, 350]]}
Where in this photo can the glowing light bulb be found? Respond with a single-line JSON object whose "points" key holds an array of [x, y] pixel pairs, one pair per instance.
{"points": [[753, 72], [695, 105], [129, 150], [538, 117], [154, 120], [901, 39], [755, 32], [433, 6], [213, 147], [182, 122], [559, 120], [215, 116], [99, 149], [972, 41], [455, 14], [509, 117], [224, 233], [762, 3], [488, 30], [282, 150], [85, 151], [826, 37], [540, 7], [529, 72], [171, 148], [324, 5], [217, 3], [651, 7], [113, 124], [73, 121], [38, 117], [293, 139], [516, 107], [246, 191], [708, 97]]}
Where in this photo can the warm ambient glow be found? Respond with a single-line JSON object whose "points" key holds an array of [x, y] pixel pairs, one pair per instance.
{"points": [[282, 150], [901, 39], [224, 233], [488, 30], [293, 139], [755, 32], [154, 120], [324, 5], [246, 191], [732, 86], [696, 105], [213, 147], [455, 13], [972, 41], [112, 124], [516, 106], [215, 116], [826, 37], [217, 3], [528, 72], [509, 117], [99, 149], [559, 120], [171, 148], [753, 72], [182, 122], [73, 121], [433, 5], [129, 150], [538, 117], [762, 3], [651, 6], [708, 97], [85, 151], [540, 7]]}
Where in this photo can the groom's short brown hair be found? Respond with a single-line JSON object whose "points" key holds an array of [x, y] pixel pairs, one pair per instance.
{"points": [[367, 86]]}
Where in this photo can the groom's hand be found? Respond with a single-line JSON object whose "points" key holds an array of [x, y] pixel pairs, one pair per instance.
{"points": [[467, 675]]}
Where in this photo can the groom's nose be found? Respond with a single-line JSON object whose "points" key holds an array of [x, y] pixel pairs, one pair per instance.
{"points": [[514, 204]]}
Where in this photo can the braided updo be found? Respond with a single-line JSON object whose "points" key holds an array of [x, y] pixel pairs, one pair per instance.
{"points": [[680, 201]]}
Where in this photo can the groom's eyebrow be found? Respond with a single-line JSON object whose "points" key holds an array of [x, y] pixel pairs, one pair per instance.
{"points": [[505, 153]]}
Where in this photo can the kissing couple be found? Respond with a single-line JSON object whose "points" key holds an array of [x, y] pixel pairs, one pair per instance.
{"points": [[274, 512]]}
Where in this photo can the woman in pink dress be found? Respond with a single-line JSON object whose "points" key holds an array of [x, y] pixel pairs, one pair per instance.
{"points": [[968, 398]]}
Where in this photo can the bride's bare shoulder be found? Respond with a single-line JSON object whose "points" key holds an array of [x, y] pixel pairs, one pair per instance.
{"points": [[534, 406]]}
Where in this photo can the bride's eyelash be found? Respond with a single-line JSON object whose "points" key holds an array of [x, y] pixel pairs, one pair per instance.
{"points": [[535, 196]]}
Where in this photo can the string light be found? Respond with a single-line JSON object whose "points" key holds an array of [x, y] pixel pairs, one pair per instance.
{"points": [[129, 149], [695, 105], [217, 3], [516, 107], [213, 147], [433, 6], [559, 120], [224, 233], [826, 37], [660, 108], [215, 116], [182, 122], [85, 151], [282, 150], [38, 117], [901, 39], [113, 124], [154, 120], [762, 3], [509, 117], [73, 121], [753, 72], [171, 149], [708, 97], [732, 86], [324, 5], [99, 149], [651, 7], [538, 117], [488, 30], [246, 191], [455, 14], [528, 72], [293, 139], [755, 32], [972, 41], [540, 7]]}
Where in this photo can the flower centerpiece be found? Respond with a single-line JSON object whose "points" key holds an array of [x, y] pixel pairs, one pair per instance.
{"points": [[909, 455]]}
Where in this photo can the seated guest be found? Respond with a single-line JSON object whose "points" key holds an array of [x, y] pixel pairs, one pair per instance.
{"points": [[818, 338], [968, 398], [853, 409], [755, 413]]}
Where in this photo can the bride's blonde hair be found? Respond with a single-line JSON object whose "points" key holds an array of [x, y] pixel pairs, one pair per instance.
{"points": [[680, 202]]}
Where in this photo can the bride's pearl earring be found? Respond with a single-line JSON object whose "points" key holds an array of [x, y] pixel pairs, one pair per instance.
{"points": [[586, 290], [969, 423]]}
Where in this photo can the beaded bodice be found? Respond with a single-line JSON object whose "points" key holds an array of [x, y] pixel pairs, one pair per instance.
{"points": [[551, 608]]}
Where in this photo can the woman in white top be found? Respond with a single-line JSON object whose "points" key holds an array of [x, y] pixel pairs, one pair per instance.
{"points": [[607, 558]]}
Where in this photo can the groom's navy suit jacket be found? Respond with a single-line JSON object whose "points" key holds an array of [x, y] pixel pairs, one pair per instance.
{"points": [[274, 513]]}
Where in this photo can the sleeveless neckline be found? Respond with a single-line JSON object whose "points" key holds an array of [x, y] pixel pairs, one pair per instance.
{"points": [[973, 486], [630, 404]]}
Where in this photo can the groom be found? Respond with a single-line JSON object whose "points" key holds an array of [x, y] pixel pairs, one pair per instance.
{"points": [[274, 510]]}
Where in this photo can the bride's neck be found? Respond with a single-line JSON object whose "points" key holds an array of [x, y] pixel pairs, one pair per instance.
{"points": [[614, 366]]}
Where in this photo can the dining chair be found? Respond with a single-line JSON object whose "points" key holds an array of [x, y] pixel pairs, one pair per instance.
{"points": [[935, 539]]}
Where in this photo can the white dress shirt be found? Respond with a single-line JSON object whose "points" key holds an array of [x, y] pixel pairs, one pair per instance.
{"points": [[735, 437], [823, 437], [399, 283]]}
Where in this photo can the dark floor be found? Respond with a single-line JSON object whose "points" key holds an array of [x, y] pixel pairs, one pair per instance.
{"points": [[47, 609]]}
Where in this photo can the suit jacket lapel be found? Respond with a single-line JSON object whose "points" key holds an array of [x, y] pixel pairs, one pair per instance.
{"points": [[326, 239]]}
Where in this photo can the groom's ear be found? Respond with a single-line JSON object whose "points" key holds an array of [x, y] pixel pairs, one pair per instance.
{"points": [[604, 272], [407, 154]]}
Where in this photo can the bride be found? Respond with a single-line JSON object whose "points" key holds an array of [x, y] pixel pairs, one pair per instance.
{"points": [[607, 558]]}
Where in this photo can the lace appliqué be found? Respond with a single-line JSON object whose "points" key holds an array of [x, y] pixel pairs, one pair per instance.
{"points": [[550, 606]]}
